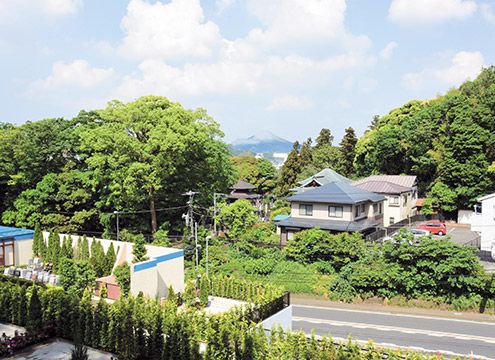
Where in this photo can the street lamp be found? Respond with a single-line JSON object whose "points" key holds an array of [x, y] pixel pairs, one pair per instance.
{"points": [[117, 213], [207, 238]]}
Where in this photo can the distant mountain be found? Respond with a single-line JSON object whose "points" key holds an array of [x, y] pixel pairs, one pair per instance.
{"points": [[264, 141]]}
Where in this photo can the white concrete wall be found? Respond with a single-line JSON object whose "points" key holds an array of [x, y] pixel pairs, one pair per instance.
{"points": [[465, 216], [476, 222], [283, 319], [154, 276], [488, 223], [165, 266], [145, 280], [23, 251]]}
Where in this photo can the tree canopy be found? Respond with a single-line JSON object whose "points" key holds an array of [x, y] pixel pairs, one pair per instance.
{"points": [[136, 158], [447, 142]]}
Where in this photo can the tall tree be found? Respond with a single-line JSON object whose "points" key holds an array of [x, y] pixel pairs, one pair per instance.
{"points": [[324, 138], [305, 156], [348, 150], [290, 170], [152, 146]]}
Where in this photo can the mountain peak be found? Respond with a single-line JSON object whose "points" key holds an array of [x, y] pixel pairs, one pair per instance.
{"points": [[263, 141]]}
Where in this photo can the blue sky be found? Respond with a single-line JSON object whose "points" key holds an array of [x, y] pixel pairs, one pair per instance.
{"points": [[288, 66]]}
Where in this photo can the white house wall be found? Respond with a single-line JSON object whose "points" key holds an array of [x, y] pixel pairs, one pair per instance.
{"points": [[165, 266], [320, 211], [488, 222]]}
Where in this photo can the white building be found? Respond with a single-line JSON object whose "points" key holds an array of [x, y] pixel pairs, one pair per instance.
{"points": [[485, 222]]}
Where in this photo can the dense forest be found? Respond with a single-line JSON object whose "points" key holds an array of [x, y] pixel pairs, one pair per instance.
{"points": [[136, 158], [139, 158], [447, 142]]}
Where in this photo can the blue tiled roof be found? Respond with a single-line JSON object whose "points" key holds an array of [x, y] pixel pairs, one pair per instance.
{"points": [[16, 233], [336, 192]]}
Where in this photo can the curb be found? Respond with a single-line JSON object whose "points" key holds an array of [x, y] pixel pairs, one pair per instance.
{"points": [[320, 301]]}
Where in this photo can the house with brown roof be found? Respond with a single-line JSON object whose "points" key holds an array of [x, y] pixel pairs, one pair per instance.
{"points": [[400, 191]]}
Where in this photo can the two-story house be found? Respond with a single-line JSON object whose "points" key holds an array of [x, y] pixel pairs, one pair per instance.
{"points": [[334, 207], [400, 191]]}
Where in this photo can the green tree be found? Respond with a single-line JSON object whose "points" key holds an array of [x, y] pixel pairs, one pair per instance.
{"points": [[348, 150], [84, 254], [34, 324], [138, 250], [123, 276], [144, 150], [238, 217], [290, 170], [37, 241], [110, 259]]}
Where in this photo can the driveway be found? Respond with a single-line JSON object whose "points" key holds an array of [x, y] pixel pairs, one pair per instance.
{"points": [[460, 234]]}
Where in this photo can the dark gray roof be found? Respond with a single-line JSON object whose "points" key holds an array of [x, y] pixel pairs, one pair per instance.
{"points": [[329, 225], [336, 192], [243, 185]]}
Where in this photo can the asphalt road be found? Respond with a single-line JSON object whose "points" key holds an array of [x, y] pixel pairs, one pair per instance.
{"points": [[447, 335]]}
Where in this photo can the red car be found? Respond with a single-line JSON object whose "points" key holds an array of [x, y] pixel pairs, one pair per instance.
{"points": [[435, 227]]}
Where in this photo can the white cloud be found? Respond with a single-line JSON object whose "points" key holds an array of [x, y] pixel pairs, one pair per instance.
{"points": [[464, 65], [488, 12], [290, 102], [387, 51], [228, 77], [10, 8], [173, 30], [430, 10], [79, 74], [224, 4], [297, 20], [412, 81], [103, 47]]}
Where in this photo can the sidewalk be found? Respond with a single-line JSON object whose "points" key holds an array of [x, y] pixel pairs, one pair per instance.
{"points": [[320, 301]]}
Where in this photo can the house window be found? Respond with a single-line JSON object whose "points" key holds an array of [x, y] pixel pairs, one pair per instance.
{"points": [[394, 200], [404, 199], [392, 220], [375, 208], [380, 208], [363, 208], [306, 210], [356, 214], [335, 211]]}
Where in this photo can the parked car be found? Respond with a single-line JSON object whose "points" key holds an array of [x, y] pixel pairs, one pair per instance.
{"points": [[395, 237], [436, 227]]}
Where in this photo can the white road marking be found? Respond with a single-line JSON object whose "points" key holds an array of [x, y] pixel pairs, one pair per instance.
{"points": [[398, 315], [398, 329]]}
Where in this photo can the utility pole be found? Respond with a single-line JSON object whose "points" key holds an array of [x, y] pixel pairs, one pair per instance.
{"points": [[189, 215], [196, 240]]}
